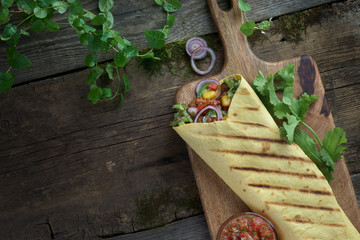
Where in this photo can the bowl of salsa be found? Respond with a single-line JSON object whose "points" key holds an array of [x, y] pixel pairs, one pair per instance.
{"points": [[247, 226]]}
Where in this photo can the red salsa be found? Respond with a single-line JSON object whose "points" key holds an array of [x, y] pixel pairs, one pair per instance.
{"points": [[248, 226]]}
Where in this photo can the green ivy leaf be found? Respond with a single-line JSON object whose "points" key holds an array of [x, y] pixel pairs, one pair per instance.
{"points": [[94, 74], [121, 100], [14, 40], [9, 30], [6, 81], [120, 59], [247, 28], [91, 60], [94, 94], [4, 15], [60, 6], [106, 93], [244, 6], [43, 3], [110, 71], [27, 5], [51, 26], [98, 20], [24, 32], [19, 61], [130, 52], [155, 38], [38, 26], [105, 5], [40, 12], [264, 25], [172, 5], [109, 21], [96, 44], [76, 8], [170, 20], [159, 2], [126, 83], [7, 3], [85, 38]]}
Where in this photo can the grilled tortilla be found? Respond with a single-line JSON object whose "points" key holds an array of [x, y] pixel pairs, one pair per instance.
{"points": [[272, 177]]}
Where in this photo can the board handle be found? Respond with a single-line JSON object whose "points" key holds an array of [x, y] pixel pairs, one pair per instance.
{"points": [[237, 53]]}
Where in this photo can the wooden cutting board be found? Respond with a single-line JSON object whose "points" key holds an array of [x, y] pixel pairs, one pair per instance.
{"points": [[218, 200]]}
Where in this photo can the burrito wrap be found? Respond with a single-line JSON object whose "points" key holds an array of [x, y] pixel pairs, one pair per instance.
{"points": [[273, 178]]}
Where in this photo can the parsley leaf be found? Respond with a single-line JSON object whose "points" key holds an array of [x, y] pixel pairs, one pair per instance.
{"points": [[292, 112], [333, 141], [181, 117]]}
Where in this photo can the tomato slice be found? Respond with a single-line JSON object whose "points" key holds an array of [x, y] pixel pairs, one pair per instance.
{"points": [[213, 86]]}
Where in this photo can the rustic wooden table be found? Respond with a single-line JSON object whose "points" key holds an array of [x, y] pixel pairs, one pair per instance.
{"points": [[73, 170]]}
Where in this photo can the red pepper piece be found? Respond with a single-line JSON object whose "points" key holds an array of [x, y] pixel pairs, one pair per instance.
{"points": [[213, 86]]}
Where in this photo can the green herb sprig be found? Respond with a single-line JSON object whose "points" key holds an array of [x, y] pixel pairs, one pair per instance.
{"points": [[291, 112], [249, 26], [95, 31], [156, 38]]}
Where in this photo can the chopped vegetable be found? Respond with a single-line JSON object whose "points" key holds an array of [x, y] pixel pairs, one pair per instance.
{"points": [[209, 95], [192, 111], [216, 109], [182, 116], [225, 100], [233, 84], [212, 63], [192, 44]]}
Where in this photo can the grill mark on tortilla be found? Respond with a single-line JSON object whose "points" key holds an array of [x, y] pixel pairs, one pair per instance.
{"points": [[262, 170], [303, 190], [244, 91], [251, 108], [249, 123], [271, 140], [263, 154], [310, 222], [304, 206]]}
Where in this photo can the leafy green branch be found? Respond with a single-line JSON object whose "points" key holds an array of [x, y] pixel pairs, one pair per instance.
{"points": [[95, 31], [249, 26], [156, 38]]}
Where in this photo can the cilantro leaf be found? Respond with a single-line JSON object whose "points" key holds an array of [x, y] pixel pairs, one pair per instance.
{"points": [[289, 127], [260, 84], [308, 145], [286, 78], [181, 117], [333, 141], [301, 106], [293, 111]]}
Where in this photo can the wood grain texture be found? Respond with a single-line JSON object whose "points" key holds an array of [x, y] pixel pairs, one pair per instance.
{"points": [[240, 59], [188, 229], [61, 52]]}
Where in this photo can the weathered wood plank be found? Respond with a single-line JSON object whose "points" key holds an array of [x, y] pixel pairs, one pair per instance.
{"points": [[81, 173], [190, 228], [59, 52]]}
